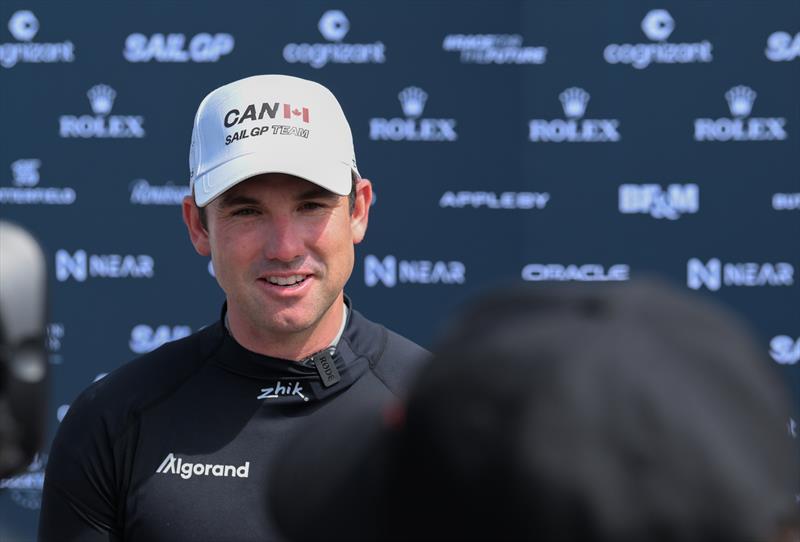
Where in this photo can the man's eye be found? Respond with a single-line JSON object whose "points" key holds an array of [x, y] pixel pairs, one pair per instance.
{"points": [[243, 212], [311, 206]]}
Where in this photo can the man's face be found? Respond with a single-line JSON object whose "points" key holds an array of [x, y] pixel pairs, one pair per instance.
{"points": [[282, 249]]}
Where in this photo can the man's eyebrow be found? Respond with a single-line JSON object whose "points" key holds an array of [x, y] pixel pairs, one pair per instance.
{"points": [[230, 200], [316, 192]]}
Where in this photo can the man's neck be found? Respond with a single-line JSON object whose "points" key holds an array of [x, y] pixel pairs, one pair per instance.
{"points": [[293, 346]]}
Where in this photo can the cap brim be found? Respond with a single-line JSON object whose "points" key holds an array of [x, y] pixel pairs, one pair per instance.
{"points": [[331, 175]]}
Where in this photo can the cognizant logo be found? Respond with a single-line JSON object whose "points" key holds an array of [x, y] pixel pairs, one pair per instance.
{"points": [[175, 465]]}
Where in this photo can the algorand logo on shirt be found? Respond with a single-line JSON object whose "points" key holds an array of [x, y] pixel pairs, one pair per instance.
{"points": [[175, 465]]}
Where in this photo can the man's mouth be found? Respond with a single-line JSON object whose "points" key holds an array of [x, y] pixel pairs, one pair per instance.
{"points": [[287, 281]]}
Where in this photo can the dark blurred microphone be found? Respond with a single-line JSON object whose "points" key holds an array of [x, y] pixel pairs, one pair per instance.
{"points": [[23, 358]]}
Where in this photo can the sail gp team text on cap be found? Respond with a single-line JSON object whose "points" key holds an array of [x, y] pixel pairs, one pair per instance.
{"points": [[270, 124]]}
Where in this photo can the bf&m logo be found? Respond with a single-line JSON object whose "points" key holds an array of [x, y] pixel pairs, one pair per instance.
{"points": [[740, 128], [143, 193], [670, 202], [145, 338], [101, 124], [25, 173], [493, 200], [658, 26], [785, 350], [334, 26], [574, 129], [493, 49], [173, 464], [202, 47], [26, 489], [786, 202], [412, 127], [589, 272], [82, 266], [714, 274], [282, 390], [782, 47], [390, 271], [24, 26]]}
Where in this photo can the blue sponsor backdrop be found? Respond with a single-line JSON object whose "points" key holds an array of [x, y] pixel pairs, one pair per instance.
{"points": [[568, 140]]}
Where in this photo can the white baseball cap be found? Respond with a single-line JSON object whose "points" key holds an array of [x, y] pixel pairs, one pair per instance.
{"points": [[270, 124]]}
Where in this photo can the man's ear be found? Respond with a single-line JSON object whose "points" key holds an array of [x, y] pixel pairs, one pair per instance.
{"points": [[197, 232], [360, 215]]}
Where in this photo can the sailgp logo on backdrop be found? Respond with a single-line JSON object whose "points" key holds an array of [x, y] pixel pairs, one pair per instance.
{"points": [[145, 338], [280, 389], [658, 25], [175, 465], [740, 128], [785, 350], [82, 266], [714, 274], [786, 202], [24, 26], [334, 26], [574, 129], [493, 49], [101, 125], [412, 127], [781, 47], [25, 191], [390, 271], [670, 202], [203, 47]]}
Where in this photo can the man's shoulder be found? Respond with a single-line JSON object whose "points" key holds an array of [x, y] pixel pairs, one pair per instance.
{"points": [[146, 379], [393, 358]]}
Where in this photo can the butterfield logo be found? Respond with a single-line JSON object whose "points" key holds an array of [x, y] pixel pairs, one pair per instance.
{"points": [[412, 127], [589, 272], [101, 125], [740, 128], [25, 173], [26, 489], [713, 274], [786, 202], [281, 389], [334, 26], [145, 338], [574, 129], [82, 266], [176, 465], [203, 47], [494, 200], [493, 49], [785, 350], [658, 25], [24, 26], [389, 271], [670, 202], [782, 47], [143, 193]]}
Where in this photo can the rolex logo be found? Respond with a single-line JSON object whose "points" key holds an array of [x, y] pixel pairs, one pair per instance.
{"points": [[574, 101], [740, 100], [101, 98], [412, 100]]}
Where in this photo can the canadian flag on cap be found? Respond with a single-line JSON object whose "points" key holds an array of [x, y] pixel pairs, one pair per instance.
{"points": [[288, 112]]}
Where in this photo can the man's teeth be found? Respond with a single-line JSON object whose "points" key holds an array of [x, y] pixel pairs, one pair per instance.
{"points": [[286, 281]]}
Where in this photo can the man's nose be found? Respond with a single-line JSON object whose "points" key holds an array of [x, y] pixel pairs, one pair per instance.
{"points": [[284, 240]]}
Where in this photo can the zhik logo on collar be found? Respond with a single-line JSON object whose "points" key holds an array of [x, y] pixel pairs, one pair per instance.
{"points": [[281, 390]]}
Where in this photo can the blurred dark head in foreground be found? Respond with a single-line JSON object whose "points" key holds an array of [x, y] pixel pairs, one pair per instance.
{"points": [[570, 413]]}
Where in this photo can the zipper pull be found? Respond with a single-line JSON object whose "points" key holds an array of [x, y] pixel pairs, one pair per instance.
{"points": [[326, 368]]}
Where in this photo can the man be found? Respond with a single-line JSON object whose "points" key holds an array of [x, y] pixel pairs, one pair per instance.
{"points": [[177, 445]]}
